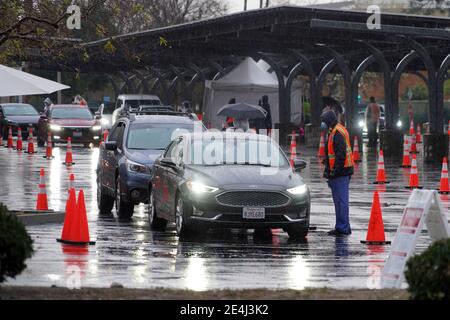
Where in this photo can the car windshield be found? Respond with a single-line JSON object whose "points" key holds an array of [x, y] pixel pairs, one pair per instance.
{"points": [[254, 151], [155, 136], [19, 110], [135, 104], [72, 113]]}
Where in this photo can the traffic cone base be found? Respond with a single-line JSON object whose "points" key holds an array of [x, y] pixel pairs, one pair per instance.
{"points": [[374, 243], [76, 229], [80, 244]]}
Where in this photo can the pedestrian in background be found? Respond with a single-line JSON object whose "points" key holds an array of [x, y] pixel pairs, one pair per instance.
{"points": [[266, 106], [338, 170], [373, 113]]}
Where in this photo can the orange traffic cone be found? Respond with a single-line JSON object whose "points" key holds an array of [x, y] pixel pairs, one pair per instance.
{"points": [[19, 143], [105, 136], [42, 201], [413, 143], [356, 155], [414, 175], [71, 204], [419, 134], [293, 149], [321, 153], [69, 156], [406, 156], [445, 187], [411, 128], [381, 175], [49, 148], [9, 144], [77, 232], [30, 149], [375, 234]]}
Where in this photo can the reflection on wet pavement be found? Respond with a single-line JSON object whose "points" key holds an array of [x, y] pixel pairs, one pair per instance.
{"points": [[128, 253]]}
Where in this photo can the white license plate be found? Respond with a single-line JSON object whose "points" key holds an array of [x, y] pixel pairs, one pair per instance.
{"points": [[77, 134], [254, 213]]}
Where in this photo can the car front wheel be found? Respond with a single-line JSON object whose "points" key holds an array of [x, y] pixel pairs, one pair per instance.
{"points": [[124, 209], [156, 223], [182, 210], [105, 203], [298, 231]]}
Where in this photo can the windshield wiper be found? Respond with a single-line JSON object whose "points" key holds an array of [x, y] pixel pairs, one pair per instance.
{"points": [[253, 164]]}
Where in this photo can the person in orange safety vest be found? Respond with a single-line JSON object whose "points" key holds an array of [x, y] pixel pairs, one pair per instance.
{"points": [[338, 170]]}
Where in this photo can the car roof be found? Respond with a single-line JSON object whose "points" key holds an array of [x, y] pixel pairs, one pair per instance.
{"points": [[228, 135], [69, 106], [137, 97], [15, 104], [163, 119]]}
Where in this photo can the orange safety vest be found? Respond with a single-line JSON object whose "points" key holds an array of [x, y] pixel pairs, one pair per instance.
{"points": [[349, 154]]}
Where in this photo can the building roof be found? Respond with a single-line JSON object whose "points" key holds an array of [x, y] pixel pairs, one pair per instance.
{"points": [[274, 31]]}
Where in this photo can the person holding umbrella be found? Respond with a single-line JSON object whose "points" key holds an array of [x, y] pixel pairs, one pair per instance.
{"points": [[242, 112]]}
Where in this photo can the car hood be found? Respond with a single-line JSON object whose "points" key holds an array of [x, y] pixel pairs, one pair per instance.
{"points": [[246, 177], [24, 119], [147, 157], [74, 122]]}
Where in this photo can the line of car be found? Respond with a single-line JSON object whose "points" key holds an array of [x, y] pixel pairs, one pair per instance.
{"points": [[149, 158]]}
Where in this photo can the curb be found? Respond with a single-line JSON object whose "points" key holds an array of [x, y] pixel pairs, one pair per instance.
{"points": [[32, 218]]}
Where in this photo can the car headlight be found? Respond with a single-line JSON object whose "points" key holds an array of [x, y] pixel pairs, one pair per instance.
{"points": [[138, 168], [298, 191], [198, 187], [96, 128], [105, 122], [361, 124], [55, 127], [399, 124]]}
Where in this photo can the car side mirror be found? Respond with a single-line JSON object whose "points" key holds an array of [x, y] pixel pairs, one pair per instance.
{"points": [[299, 165], [111, 145]]}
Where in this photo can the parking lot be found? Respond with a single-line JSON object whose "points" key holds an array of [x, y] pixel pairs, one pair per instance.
{"points": [[130, 254]]}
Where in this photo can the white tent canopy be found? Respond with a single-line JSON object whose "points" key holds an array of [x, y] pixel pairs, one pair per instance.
{"points": [[17, 83], [248, 82]]}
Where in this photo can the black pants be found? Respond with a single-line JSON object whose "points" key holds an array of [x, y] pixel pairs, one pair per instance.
{"points": [[372, 132]]}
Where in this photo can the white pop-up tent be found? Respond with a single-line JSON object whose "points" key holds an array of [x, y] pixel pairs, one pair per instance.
{"points": [[247, 83], [18, 83]]}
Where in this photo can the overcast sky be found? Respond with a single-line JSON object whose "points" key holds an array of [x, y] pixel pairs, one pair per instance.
{"points": [[238, 5]]}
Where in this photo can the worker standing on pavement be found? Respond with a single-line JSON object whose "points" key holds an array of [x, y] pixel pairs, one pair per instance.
{"points": [[338, 170], [373, 113]]}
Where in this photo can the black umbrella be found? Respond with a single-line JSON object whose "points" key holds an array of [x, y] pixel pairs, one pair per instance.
{"points": [[242, 111]]}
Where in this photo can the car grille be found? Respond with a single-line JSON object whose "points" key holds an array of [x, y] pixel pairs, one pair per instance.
{"points": [[253, 199]]}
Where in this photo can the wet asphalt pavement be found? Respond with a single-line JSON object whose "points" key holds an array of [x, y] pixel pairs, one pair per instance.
{"points": [[130, 254]]}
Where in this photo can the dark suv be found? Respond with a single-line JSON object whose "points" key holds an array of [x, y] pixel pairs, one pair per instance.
{"points": [[126, 159]]}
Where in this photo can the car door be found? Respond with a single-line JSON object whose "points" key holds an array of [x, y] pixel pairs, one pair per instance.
{"points": [[161, 186], [108, 160], [173, 176]]}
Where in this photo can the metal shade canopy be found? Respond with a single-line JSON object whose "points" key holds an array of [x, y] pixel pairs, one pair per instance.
{"points": [[242, 111], [18, 83]]}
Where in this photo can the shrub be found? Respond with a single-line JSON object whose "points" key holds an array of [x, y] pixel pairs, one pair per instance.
{"points": [[428, 274], [15, 245]]}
